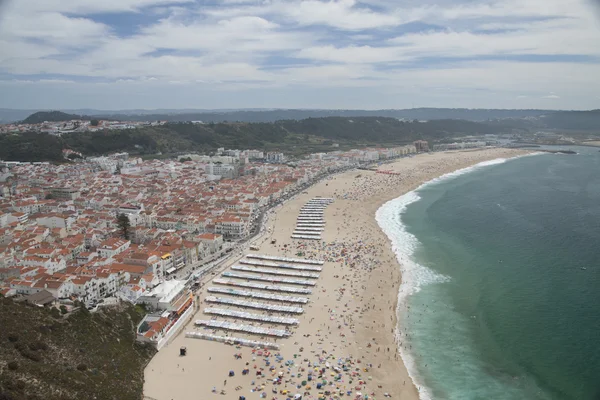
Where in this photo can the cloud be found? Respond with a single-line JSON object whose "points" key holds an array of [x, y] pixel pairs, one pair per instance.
{"points": [[431, 49], [54, 28], [86, 7], [341, 14], [551, 96]]}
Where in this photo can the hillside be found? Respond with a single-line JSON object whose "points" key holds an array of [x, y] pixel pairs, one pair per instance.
{"points": [[292, 114], [52, 116], [84, 356], [272, 115], [290, 136], [574, 120]]}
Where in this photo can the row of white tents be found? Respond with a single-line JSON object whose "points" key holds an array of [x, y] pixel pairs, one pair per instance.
{"points": [[233, 340], [230, 326], [258, 295], [308, 218], [267, 271], [325, 200], [303, 231], [250, 316], [268, 279], [310, 223], [309, 229], [280, 265], [306, 237], [286, 259], [256, 305], [262, 286], [279, 270]]}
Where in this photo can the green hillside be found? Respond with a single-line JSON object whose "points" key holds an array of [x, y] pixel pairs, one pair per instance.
{"points": [[52, 116], [291, 136], [84, 356]]}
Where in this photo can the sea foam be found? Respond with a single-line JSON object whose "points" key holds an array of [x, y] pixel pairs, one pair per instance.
{"points": [[404, 244]]}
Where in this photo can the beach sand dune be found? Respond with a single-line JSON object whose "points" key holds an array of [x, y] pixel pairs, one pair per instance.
{"points": [[350, 320]]}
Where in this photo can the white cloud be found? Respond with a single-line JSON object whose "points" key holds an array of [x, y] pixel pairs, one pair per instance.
{"points": [[555, 37], [56, 81], [246, 45], [83, 7], [55, 28], [353, 54], [342, 14]]}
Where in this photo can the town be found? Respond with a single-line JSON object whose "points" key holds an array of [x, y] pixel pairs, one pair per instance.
{"points": [[117, 228], [57, 128]]}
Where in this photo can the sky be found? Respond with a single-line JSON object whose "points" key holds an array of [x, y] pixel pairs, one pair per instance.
{"points": [[350, 54]]}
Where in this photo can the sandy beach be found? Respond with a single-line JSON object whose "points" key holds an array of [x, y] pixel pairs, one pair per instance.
{"points": [[350, 319]]}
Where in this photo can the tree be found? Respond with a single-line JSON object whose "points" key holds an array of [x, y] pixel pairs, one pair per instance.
{"points": [[49, 196], [124, 225], [94, 122]]}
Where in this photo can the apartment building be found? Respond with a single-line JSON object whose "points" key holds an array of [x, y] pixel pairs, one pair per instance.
{"points": [[112, 246]]}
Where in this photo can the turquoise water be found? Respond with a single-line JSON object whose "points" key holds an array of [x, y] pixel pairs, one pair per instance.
{"points": [[502, 291]]}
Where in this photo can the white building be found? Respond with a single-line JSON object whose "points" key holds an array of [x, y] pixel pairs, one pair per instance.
{"points": [[255, 154], [56, 221], [223, 170], [231, 227], [212, 241], [164, 296], [113, 246], [275, 157]]}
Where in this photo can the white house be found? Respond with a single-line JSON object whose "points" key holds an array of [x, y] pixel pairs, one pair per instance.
{"points": [[54, 221], [230, 227], [113, 246]]}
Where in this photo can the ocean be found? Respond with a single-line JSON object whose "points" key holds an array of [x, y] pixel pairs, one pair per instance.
{"points": [[501, 279]]}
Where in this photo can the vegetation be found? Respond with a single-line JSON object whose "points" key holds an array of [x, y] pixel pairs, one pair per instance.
{"points": [[296, 137], [31, 146], [51, 116], [291, 114], [312, 134], [124, 225], [291, 136], [74, 156], [82, 356], [574, 120]]}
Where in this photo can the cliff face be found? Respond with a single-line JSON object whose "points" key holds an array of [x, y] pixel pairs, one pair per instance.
{"points": [[47, 355]]}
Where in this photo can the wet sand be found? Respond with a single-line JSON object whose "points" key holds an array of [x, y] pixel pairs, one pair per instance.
{"points": [[350, 320]]}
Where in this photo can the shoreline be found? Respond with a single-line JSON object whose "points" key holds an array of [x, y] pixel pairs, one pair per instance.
{"points": [[388, 217], [356, 295]]}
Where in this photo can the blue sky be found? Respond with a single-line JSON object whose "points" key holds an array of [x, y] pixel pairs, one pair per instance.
{"points": [[130, 54]]}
